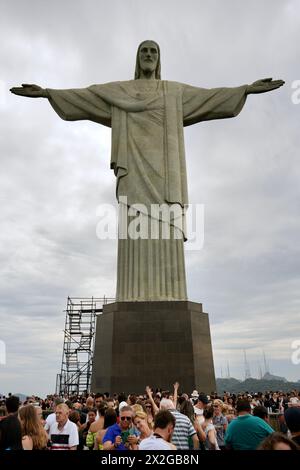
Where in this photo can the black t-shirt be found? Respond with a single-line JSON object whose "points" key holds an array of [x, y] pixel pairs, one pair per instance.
{"points": [[296, 439], [82, 417], [10, 433]]}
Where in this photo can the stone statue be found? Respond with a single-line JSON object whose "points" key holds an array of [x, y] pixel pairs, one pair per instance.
{"points": [[147, 116]]}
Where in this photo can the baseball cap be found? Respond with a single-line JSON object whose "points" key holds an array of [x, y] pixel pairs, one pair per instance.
{"points": [[202, 397]]}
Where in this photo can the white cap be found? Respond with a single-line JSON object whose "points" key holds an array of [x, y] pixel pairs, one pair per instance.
{"points": [[294, 401], [122, 404]]}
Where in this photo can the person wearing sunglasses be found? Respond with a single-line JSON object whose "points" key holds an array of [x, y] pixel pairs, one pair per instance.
{"points": [[122, 435], [150, 414]]}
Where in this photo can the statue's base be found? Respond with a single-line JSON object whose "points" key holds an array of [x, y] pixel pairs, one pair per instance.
{"points": [[153, 343]]}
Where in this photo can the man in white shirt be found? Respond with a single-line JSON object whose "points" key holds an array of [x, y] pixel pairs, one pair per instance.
{"points": [[63, 433], [164, 424], [200, 403]]}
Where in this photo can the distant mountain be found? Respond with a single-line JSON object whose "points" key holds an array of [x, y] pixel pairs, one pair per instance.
{"points": [[21, 396], [269, 376], [227, 384], [254, 385]]}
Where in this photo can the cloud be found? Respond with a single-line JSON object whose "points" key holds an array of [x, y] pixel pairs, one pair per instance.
{"points": [[262, 332]]}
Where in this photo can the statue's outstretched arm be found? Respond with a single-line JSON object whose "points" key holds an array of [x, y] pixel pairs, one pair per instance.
{"points": [[264, 85], [30, 90], [74, 104]]}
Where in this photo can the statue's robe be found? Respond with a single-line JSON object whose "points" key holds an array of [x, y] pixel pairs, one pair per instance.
{"points": [[147, 119]]}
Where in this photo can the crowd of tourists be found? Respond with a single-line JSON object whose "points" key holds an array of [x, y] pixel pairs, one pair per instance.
{"points": [[154, 420]]}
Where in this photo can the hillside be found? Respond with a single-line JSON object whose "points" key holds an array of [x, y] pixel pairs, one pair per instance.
{"points": [[254, 385]]}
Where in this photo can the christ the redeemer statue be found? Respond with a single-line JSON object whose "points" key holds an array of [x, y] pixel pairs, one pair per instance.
{"points": [[147, 116]]}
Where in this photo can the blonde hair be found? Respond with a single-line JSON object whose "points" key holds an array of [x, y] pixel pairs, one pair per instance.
{"points": [[31, 426], [137, 408], [141, 415], [220, 403], [228, 408]]}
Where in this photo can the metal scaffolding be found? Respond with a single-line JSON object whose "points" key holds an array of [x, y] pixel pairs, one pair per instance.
{"points": [[78, 346]]}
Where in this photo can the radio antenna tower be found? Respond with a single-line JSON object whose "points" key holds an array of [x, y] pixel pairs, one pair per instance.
{"points": [[266, 365], [247, 367], [228, 370]]}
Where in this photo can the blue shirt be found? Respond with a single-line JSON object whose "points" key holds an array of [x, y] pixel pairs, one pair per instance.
{"points": [[114, 431], [246, 432]]}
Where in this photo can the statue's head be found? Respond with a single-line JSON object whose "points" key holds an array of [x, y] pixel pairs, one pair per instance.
{"points": [[147, 59]]}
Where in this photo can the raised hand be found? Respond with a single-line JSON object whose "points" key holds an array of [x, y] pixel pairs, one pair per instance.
{"points": [[264, 85], [29, 90]]}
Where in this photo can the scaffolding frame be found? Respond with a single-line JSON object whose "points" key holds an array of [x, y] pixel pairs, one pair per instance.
{"points": [[78, 345]]}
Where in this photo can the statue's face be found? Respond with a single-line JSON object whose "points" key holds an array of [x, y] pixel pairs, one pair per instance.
{"points": [[148, 56]]}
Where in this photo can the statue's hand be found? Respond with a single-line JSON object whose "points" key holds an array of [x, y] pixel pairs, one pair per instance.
{"points": [[30, 90], [264, 85]]}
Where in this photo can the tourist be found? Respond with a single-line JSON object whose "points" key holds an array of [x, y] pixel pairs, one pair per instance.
{"points": [[12, 404], [164, 424], [150, 414], [63, 433], [278, 441], [187, 409], [246, 432], [141, 424], [261, 412], [89, 405], [292, 419], [110, 418], [155, 407], [51, 418], [200, 404], [220, 422], [10, 426], [98, 424], [91, 418], [183, 427], [34, 436], [10, 434], [39, 412], [211, 441], [121, 436]]}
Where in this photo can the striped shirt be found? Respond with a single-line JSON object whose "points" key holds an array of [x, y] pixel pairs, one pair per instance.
{"points": [[182, 431]]}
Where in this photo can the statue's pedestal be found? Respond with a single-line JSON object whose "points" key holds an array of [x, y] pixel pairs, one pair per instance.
{"points": [[155, 344]]}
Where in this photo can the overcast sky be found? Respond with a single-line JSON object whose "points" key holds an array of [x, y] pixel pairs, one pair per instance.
{"points": [[54, 174]]}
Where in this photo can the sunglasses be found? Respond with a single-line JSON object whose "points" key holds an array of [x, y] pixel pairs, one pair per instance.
{"points": [[128, 418]]}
